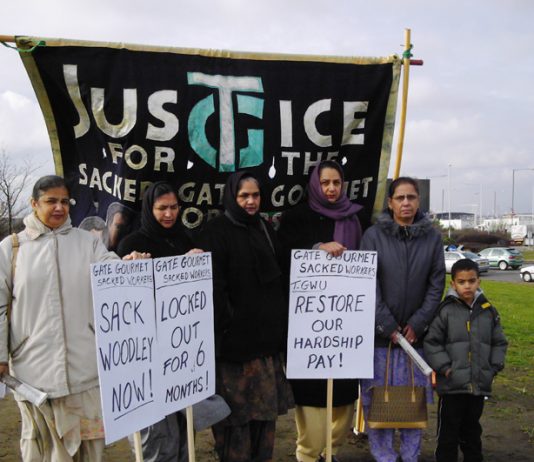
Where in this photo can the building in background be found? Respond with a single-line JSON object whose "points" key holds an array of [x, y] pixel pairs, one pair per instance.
{"points": [[458, 220]]}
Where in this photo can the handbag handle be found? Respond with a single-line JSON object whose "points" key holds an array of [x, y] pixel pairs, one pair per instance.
{"points": [[15, 244], [386, 394]]}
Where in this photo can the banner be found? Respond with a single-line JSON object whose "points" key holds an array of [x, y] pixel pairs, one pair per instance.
{"points": [[121, 116], [331, 315]]}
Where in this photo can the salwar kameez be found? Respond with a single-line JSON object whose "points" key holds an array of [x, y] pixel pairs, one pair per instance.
{"points": [[63, 429]]}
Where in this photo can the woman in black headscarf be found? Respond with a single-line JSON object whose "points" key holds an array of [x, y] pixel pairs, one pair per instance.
{"points": [[250, 323], [161, 235]]}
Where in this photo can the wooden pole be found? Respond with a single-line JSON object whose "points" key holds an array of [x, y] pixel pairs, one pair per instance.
{"points": [[7, 38], [404, 104], [359, 421], [329, 402], [190, 434], [138, 447]]}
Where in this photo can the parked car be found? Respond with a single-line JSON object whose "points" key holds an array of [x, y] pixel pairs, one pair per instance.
{"points": [[452, 256], [503, 257], [527, 273]]}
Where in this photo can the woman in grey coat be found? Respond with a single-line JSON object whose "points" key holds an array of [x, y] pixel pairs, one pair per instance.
{"points": [[411, 278]]}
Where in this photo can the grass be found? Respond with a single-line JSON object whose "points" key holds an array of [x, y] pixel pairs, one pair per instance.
{"points": [[514, 387], [529, 432], [514, 301], [528, 255]]}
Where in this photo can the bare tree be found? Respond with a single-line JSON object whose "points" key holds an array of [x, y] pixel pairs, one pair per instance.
{"points": [[13, 181]]}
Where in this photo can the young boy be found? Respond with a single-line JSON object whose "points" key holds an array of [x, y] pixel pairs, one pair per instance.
{"points": [[466, 346]]}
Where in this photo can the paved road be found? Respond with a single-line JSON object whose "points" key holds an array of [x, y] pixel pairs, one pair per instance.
{"points": [[506, 276]]}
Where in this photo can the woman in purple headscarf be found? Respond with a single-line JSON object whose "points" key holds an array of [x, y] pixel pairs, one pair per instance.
{"points": [[327, 221]]}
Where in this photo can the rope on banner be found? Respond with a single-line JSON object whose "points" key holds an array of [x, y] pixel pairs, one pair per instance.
{"points": [[407, 54], [40, 43]]}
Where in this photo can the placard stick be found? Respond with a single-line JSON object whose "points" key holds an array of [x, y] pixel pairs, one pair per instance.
{"points": [[359, 421], [190, 434], [138, 448], [404, 103], [329, 401]]}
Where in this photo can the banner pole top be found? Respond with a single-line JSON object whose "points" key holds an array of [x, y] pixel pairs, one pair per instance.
{"points": [[404, 102]]}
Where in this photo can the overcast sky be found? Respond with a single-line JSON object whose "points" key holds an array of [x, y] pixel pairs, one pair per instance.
{"points": [[470, 106]]}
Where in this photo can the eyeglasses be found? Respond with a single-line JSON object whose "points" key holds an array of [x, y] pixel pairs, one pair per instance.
{"points": [[408, 197]]}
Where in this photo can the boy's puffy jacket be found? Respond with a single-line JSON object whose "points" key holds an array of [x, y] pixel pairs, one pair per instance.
{"points": [[468, 341]]}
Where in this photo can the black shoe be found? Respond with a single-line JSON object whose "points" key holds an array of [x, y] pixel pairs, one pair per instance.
{"points": [[323, 459]]}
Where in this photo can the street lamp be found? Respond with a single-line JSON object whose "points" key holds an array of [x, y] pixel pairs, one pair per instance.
{"points": [[442, 190], [449, 175], [479, 194], [513, 187]]}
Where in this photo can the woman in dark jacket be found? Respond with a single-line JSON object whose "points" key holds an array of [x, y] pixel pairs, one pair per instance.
{"points": [[411, 279], [327, 221], [250, 323], [161, 235]]}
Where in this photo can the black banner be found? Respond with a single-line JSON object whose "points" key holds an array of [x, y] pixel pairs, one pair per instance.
{"points": [[120, 117]]}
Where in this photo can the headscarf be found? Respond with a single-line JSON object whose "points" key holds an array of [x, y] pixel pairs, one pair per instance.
{"points": [[231, 207], [260, 241], [347, 230], [149, 225]]}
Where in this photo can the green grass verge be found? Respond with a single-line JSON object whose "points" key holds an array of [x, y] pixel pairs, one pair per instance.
{"points": [[515, 303], [528, 255]]}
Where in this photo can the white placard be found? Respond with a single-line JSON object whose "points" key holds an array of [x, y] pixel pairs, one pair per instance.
{"points": [[123, 300], [184, 313], [331, 315]]}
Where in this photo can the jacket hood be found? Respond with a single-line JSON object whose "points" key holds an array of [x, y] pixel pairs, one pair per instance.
{"points": [[421, 226], [451, 293], [35, 227]]}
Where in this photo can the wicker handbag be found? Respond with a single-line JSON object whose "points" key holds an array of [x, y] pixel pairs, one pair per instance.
{"points": [[400, 406]]}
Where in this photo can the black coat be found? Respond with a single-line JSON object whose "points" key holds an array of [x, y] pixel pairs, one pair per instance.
{"points": [[250, 315], [302, 228], [157, 246]]}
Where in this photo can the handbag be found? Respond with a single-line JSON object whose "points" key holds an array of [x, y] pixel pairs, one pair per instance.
{"points": [[397, 406]]}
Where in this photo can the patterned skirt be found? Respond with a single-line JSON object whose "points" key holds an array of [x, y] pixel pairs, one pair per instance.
{"points": [[254, 390]]}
